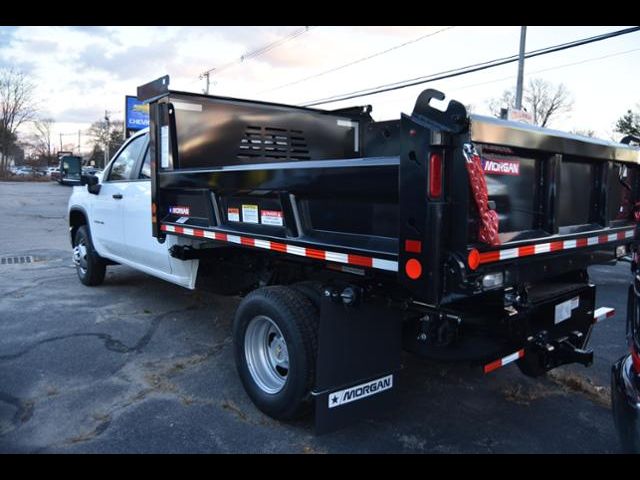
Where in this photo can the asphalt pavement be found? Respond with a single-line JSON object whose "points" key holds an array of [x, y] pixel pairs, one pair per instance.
{"points": [[141, 365]]}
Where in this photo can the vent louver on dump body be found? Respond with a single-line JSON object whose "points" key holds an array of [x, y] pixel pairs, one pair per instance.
{"points": [[277, 144]]}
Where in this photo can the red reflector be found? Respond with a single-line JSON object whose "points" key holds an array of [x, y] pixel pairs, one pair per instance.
{"points": [[474, 259], [435, 175], [413, 246], [413, 268], [635, 357]]}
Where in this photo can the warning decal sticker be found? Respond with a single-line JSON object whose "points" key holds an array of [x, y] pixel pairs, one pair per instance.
{"points": [[250, 214], [271, 217], [233, 214]]}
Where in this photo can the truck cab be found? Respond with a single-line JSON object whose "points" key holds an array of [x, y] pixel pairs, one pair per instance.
{"points": [[114, 206]]}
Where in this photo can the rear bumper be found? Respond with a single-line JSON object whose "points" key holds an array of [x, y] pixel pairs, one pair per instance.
{"points": [[625, 402]]}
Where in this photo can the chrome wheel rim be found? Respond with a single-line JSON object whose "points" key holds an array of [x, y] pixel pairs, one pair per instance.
{"points": [[80, 256], [266, 353]]}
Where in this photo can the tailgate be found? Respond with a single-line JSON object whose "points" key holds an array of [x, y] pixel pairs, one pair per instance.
{"points": [[568, 195]]}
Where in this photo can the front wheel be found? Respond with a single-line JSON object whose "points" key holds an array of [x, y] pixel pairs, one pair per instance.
{"points": [[91, 268], [275, 340]]}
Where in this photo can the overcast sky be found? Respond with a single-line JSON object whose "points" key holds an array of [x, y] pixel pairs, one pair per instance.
{"points": [[81, 71]]}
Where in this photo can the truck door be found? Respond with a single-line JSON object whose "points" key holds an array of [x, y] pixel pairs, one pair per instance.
{"points": [[142, 247], [107, 228]]}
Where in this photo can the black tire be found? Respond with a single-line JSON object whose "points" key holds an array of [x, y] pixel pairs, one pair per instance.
{"points": [[91, 268], [297, 319], [312, 290], [532, 365]]}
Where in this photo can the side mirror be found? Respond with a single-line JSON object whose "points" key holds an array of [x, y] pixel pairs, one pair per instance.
{"points": [[91, 181]]}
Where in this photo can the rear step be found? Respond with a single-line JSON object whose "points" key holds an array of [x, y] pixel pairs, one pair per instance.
{"points": [[563, 349]]}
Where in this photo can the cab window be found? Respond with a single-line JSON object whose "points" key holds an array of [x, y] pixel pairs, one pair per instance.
{"points": [[145, 172], [125, 162]]}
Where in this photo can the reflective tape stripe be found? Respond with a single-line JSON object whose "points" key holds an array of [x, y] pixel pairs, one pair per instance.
{"points": [[350, 259], [603, 313], [548, 247], [490, 367]]}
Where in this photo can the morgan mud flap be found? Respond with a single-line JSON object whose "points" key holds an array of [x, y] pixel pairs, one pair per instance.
{"points": [[359, 392]]}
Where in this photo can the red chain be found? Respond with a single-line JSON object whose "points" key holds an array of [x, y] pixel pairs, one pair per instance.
{"points": [[488, 232]]}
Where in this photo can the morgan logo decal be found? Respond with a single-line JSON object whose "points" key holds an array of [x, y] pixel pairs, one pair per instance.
{"points": [[179, 210], [501, 167], [359, 392]]}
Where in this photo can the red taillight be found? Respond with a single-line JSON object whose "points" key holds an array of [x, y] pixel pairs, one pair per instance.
{"points": [[473, 259], [635, 358], [413, 269], [435, 175]]}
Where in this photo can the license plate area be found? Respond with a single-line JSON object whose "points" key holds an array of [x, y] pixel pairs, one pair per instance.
{"points": [[564, 310], [562, 315]]}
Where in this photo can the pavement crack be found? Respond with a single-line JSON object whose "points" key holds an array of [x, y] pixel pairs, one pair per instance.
{"points": [[32, 284], [98, 430], [110, 343], [24, 410]]}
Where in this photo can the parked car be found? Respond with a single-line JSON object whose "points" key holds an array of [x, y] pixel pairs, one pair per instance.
{"points": [[24, 171], [625, 379]]}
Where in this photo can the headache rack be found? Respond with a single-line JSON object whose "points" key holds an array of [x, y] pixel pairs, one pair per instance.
{"points": [[434, 201]]}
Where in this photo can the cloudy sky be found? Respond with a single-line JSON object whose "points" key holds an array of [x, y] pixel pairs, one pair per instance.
{"points": [[82, 71]]}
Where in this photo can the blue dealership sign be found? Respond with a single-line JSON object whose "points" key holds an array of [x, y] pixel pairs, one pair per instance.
{"points": [[137, 114]]}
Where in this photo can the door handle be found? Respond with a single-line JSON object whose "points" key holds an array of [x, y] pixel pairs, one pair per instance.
{"points": [[117, 196]]}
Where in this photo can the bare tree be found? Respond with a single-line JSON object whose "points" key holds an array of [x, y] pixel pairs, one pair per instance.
{"points": [[43, 138], [544, 100], [106, 134], [16, 107], [507, 100]]}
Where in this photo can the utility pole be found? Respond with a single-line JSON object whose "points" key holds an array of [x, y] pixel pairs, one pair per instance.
{"points": [[519, 86], [106, 145], [60, 141], [206, 76], [79, 140]]}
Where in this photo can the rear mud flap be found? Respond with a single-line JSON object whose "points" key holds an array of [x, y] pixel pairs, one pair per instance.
{"points": [[358, 362]]}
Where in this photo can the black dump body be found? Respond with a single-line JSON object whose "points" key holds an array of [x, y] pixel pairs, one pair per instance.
{"points": [[340, 188], [475, 232]]}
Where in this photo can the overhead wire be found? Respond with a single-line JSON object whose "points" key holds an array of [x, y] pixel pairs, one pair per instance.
{"points": [[469, 68], [359, 60]]}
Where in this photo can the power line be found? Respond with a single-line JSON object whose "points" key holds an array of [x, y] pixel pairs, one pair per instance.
{"points": [[510, 77], [557, 67], [469, 68], [259, 51], [360, 60]]}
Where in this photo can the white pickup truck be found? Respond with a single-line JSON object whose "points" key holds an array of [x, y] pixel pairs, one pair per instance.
{"points": [[109, 222]]}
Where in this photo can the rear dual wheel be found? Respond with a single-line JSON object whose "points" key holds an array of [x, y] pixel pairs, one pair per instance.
{"points": [[275, 339]]}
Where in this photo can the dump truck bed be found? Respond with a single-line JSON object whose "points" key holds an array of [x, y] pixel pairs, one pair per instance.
{"points": [[339, 188]]}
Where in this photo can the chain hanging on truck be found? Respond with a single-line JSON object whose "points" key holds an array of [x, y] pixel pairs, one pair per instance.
{"points": [[488, 232]]}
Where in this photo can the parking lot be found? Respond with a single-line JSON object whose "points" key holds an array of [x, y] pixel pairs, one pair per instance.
{"points": [[141, 365]]}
